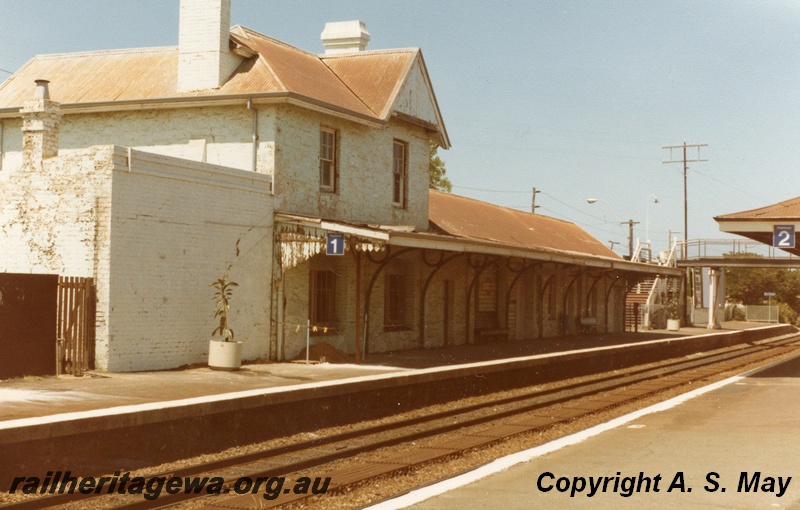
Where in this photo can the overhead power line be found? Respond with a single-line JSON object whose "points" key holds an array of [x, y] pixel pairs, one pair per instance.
{"points": [[685, 160]]}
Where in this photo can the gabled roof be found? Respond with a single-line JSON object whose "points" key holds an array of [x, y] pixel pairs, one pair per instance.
{"points": [[366, 86], [472, 219], [301, 74], [759, 224]]}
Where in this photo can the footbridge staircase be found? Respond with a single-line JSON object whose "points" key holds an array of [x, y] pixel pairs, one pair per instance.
{"points": [[647, 301]]}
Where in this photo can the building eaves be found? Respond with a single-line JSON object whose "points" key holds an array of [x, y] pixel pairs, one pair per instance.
{"points": [[433, 240], [785, 210]]}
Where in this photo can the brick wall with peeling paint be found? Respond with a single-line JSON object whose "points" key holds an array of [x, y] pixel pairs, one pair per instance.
{"points": [[153, 235], [56, 220]]}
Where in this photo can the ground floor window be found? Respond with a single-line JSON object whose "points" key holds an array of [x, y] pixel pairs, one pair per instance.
{"points": [[552, 298], [394, 317], [322, 300], [592, 303]]}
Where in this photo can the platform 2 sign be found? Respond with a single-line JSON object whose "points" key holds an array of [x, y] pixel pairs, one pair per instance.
{"points": [[334, 244], [783, 236]]}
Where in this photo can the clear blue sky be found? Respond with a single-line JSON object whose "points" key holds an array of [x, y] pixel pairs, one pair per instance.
{"points": [[575, 98]]}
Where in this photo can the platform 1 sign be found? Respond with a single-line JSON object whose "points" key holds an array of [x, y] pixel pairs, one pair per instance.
{"points": [[334, 244], [783, 236]]}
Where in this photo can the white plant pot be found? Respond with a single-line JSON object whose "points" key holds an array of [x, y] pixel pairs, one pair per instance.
{"points": [[224, 355], [673, 324]]}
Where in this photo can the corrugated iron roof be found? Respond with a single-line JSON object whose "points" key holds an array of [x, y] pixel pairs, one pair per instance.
{"points": [[375, 77], [788, 209], [468, 225], [305, 75], [364, 85], [758, 224], [472, 219], [124, 75], [96, 76]]}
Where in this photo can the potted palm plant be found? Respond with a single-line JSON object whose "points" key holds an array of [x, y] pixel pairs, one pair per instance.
{"points": [[224, 354], [674, 313]]}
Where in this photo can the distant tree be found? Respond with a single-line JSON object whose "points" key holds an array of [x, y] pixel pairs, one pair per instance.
{"points": [[436, 172], [748, 285]]}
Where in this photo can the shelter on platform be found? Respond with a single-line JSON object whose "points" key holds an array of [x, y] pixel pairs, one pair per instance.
{"points": [[760, 224]]}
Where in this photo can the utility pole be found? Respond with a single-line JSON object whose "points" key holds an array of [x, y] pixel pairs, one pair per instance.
{"points": [[533, 200], [686, 281], [630, 224], [685, 160], [669, 238]]}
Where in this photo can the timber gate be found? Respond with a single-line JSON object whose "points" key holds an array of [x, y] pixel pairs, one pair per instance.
{"points": [[75, 325], [28, 304]]}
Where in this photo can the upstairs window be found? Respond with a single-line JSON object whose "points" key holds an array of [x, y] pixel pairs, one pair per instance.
{"points": [[327, 159], [400, 174]]}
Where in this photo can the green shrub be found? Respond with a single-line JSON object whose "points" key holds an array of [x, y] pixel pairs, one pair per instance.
{"points": [[786, 314], [737, 314]]}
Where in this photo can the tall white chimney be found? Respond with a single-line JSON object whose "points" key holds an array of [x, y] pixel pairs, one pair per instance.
{"points": [[345, 37], [204, 57]]}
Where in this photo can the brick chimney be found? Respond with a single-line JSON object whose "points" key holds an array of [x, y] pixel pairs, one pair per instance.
{"points": [[204, 57], [40, 120], [341, 37]]}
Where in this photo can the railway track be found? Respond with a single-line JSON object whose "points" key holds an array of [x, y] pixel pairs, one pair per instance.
{"points": [[404, 444]]}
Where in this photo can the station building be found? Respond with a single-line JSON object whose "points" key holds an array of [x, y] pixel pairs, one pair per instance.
{"points": [[302, 177]]}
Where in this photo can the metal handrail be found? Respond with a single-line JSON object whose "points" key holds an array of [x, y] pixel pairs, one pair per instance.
{"points": [[701, 248]]}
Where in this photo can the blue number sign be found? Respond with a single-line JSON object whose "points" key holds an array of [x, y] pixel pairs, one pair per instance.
{"points": [[783, 236], [334, 244]]}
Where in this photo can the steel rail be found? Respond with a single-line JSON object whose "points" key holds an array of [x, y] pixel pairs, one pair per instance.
{"points": [[552, 404]]}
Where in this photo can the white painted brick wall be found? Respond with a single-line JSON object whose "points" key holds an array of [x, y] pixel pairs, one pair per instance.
{"points": [[176, 227], [204, 59], [288, 140], [216, 135], [365, 169]]}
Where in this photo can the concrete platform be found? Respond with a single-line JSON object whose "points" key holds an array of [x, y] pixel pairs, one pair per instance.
{"points": [[733, 447], [106, 422], [46, 396]]}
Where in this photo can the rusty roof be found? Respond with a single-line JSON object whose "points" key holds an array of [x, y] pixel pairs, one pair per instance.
{"points": [[375, 77], [304, 74], [363, 85], [468, 225], [788, 210], [758, 224], [123, 75], [472, 219]]}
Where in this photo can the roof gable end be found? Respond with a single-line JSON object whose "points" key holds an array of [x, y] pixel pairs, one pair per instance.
{"points": [[393, 83]]}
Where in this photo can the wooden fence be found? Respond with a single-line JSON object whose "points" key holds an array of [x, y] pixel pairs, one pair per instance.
{"points": [[76, 324]]}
